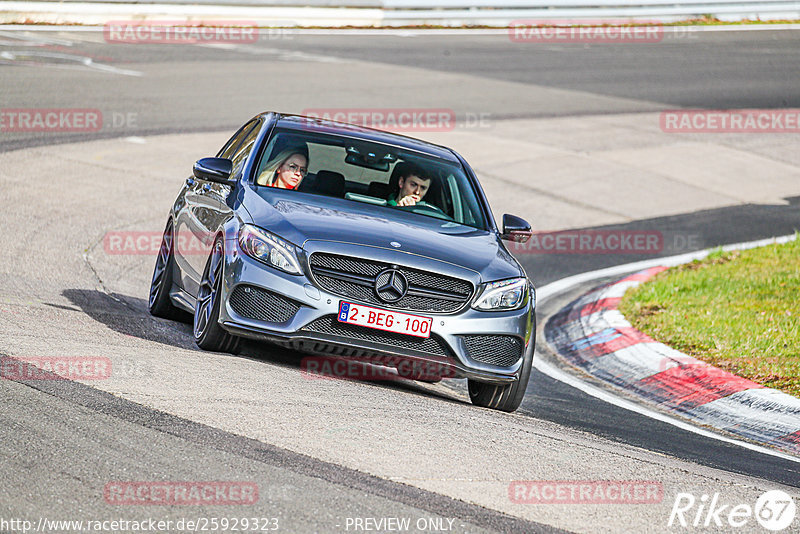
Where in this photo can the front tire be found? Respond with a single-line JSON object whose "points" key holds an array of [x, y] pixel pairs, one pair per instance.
{"points": [[208, 334], [505, 397]]}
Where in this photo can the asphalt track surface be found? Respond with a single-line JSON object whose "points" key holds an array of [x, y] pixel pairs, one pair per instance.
{"points": [[92, 437], [716, 70]]}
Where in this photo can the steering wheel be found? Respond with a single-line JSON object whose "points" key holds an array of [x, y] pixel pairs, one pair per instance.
{"points": [[424, 208]]}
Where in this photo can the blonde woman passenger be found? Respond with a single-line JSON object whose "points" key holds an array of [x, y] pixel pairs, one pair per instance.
{"points": [[286, 170]]}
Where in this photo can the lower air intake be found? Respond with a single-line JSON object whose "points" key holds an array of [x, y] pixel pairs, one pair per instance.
{"points": [[502, 351], [262, 305]]}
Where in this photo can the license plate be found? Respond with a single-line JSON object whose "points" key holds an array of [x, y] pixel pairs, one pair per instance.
{"points": [[402, 323]]}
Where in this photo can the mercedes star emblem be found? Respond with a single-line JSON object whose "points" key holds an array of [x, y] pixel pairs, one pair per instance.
{"points": [[391, 285]]}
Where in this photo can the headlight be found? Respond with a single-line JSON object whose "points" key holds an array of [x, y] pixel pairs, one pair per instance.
{"points": [[504, 295], [268, 248]]}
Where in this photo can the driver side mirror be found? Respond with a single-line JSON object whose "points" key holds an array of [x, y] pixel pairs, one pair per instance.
{"points": [[214, 170], [515, 229]]}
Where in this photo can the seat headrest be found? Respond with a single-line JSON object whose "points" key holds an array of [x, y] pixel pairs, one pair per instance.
{"points": [[379, 190], [329, 183]]}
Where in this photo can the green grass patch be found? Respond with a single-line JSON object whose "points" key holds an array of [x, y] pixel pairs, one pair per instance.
{"points": [[739, 311]]}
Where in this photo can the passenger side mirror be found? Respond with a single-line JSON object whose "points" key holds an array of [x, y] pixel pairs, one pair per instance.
{"points": [[214, 170], [515, 229]]}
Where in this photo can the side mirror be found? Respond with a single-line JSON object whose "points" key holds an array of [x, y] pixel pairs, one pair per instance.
{"points": [[214, 170], [515, 229]]}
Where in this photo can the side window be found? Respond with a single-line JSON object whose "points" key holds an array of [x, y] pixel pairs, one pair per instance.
{"points": [[240, 157], [230, 147]]}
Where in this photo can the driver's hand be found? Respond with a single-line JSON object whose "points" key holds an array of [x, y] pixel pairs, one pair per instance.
{"points": [[408, 200]]}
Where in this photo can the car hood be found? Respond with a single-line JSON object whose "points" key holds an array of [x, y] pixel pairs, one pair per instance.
{"points": [[300, 217]]}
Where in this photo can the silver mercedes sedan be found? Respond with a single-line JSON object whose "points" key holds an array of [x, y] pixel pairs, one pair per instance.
{"points": [[334, 239]]}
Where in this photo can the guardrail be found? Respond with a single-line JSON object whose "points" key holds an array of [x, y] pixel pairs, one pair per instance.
{"points": [[408, 11], [561, 4], [368, 13]]}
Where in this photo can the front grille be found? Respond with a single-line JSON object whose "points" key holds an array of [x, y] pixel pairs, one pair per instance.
{"points": [[257, 303], [502, 351], [355, 278], [331, 326]]}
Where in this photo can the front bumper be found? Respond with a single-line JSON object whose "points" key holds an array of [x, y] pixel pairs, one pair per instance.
{"points": [[305, 320]]}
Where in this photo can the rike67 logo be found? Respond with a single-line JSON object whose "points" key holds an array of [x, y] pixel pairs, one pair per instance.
{"points": [[774, 510]]}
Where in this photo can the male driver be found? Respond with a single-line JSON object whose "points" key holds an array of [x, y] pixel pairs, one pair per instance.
{"points": [[413, 184]]}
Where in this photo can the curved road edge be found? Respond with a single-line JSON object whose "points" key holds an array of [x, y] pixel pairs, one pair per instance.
{"points": [[589, 335]]}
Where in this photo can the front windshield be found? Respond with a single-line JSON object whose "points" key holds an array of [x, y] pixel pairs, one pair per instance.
{"points": [[360, 171]]}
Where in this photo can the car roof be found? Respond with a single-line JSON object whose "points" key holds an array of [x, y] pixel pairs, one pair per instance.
{"points": [[324, 126]]}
